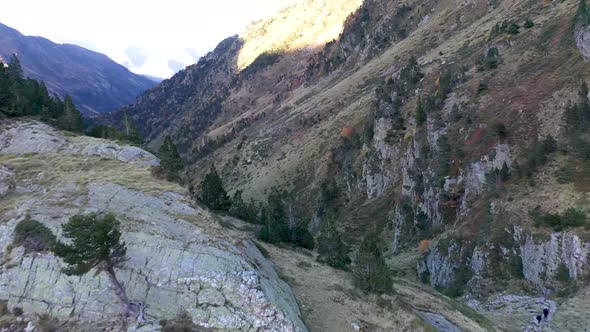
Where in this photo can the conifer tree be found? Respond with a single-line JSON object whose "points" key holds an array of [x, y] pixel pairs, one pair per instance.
{"points": [[72, 118], [212, 193], [238, 207], [370, 271], [132, 132], [94, 243], [6, 95], [15, 69], [274, 219], [170, 160], [331, 249], [420, 113], [582, 18]]}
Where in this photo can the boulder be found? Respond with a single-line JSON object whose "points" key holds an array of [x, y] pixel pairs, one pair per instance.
{"points": [[180, 258]]}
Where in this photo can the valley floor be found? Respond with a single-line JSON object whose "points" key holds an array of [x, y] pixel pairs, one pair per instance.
{"points": [[329, 301]]}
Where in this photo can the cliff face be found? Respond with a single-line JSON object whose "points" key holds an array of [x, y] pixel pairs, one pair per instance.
{"points": [[180, 258], [427, 118], [96, 83]]}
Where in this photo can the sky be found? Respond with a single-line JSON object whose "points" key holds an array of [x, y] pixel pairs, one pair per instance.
{"points": [[150, 37]]}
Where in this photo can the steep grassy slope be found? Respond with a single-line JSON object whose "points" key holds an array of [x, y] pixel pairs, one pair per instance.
{"points": [[450, 151]]}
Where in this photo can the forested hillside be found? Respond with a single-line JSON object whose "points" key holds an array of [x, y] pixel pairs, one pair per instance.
{"points": [[95, 83], [20, 96]]}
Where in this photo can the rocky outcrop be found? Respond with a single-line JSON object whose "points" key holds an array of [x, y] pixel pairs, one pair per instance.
{"points": [[7, 181], [539, 261], [582, 38], [36, 137], [180, 259], [378, 172], [542, 259], [473, 179]]}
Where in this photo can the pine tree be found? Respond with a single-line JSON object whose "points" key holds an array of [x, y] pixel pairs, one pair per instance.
{"points": [[274, 219], [132, 132], [370, 271], [94, 243], [420, 113], [212, 193], [72, 118], [582, 18], [331, 249], [15, 69], [238, 207], [577, 124], [6, 95], [170, 160], [252, 212]]}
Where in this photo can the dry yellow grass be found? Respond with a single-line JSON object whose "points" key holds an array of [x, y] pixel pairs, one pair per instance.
{"points": [[309, 23], [55, 169]]}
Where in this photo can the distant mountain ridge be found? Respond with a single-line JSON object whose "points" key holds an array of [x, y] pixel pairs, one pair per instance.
{"points": [[96, 83]]}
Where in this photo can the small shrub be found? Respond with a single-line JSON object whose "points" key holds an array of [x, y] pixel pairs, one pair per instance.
{"points": [[582, 17], [570, 218], [302, 237], [461, 276], [513, 29], [425, 277], [508, 27], [47, 323], [563, 273], [516, 267], [182, 323], [4, 308], [17, 311], [489, 61], [500, 130], [421, 116], [424, 246], [528, 23], [34, 236], [536, 156], [483, 87]]}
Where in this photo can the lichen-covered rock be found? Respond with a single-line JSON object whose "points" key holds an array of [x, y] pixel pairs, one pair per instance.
{"points": [[474, 177], [582, 37], [179, 257], [539, 261], [377, 171], [7, 181], [36, 137], [542, 259], [439, 265]]}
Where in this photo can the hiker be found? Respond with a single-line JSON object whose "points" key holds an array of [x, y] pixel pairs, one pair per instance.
{"points": [[538, 319], [546, 313]]}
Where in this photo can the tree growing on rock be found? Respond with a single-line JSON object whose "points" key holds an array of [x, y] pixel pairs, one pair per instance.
{"points": [[370, 271], [212, 193], [94, 242]]}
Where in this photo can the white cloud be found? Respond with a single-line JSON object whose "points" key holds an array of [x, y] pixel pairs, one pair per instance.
{"points": [[171, 30]]}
